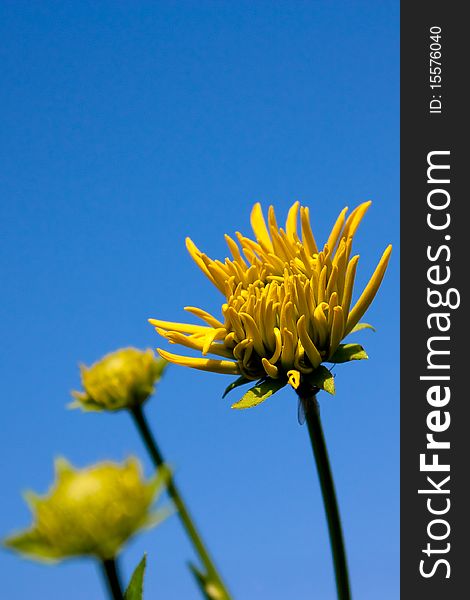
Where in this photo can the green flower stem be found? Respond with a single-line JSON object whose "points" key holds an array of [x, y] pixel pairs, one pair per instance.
{"points": [[188, 524], [315, 430], [112, 579]]}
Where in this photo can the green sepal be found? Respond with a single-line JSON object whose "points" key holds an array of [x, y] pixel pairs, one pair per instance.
{"points": [[323, 379], [208, 588], [84, 403], [360, 327], [260, 392], [347, 352], [135, 588], [237, 383], [159, 368], [32, 544]]}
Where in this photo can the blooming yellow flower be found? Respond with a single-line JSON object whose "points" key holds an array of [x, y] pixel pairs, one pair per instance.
{"points": [[288, 304], [121, 379], [90, 512]]}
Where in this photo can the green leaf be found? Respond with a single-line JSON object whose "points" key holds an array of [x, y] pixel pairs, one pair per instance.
{"points": [[347, 352], [200, 579], [323, 379], [136, 584], [360, 327], [260, 392], [208, 588], [238, 382]]}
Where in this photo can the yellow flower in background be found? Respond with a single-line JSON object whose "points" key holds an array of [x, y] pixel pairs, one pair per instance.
{"points": [[90, 512], [121, 379], [288, 304]]}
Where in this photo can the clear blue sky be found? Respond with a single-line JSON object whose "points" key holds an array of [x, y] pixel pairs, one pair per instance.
{"points": [[127, 126]]}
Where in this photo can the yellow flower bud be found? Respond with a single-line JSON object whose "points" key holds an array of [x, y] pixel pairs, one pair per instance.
{"points": [[90, 512], [122, 379]]}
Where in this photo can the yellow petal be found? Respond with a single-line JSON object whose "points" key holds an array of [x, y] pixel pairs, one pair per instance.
{"points": [[355, 219], [180, 327], [283, 251], [234, 323], [271, 370], [337, 227], [301, 300], [196, 256], [234, 249], [249, 246], [340, 261], [369, 292], [269, 321], [349, 284], [204, 315], [305, 261], [321, 294], [310, 289], [277, 352], [272, 220], [189, 342], [300, 359], [307, 235], [291, 222], [321, 324], [331, 287], [260, 230], [337, 329], [286, 318], [309, 347], [230, 341], [331, 305], [293, 377], [215, 334], [289, 246], [247, 354], [288, 348], [252, 332], [226, 367], [239, 350], [217, 271], [277, 262]]}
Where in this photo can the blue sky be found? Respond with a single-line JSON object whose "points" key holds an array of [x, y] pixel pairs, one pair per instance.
{"points": [[127, 126]]}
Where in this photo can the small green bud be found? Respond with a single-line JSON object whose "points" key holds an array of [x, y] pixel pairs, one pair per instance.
{"points": [[90, 512], [122, 379]]}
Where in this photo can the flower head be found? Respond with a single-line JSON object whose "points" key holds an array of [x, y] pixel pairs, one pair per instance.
{"points": [[90, 512], [288, 302], [122, 379]]}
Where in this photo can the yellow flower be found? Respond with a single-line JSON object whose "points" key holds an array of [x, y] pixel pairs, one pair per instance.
{"points": [[288, 304], [90, 512], [122, 379]]}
